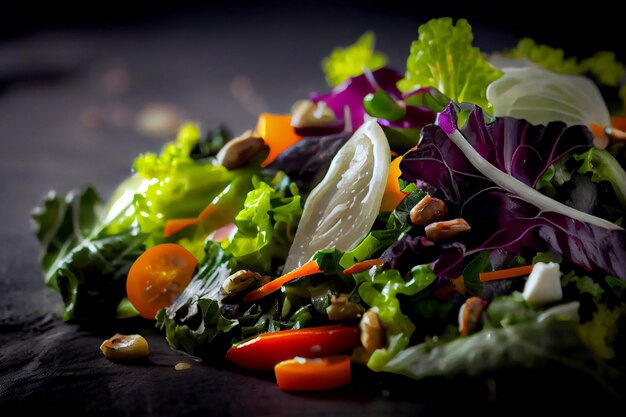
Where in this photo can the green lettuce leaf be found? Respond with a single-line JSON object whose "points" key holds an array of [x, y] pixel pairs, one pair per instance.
{"points": [[92, 277], [508, 310], [211, 143], [604, 167], [181, 187], [80, 257], [555, 176], [266, 225], [605, 68], [196, 340], [399, 218], [549, 58], [344, 63], [61, 223], [530, 344], [443, 57], [380, 291], [602, 66], [599, 332], [194, 321]]}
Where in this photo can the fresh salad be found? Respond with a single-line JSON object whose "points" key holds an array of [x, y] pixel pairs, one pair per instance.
{"points": [[460, 217]]}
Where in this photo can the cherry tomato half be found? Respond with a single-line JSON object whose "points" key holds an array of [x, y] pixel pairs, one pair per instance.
{"points": [[158, 277]]}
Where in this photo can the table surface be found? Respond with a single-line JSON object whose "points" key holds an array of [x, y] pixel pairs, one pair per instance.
{"points": [[69, 104]]}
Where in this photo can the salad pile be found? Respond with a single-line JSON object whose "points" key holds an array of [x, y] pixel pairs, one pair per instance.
{"points": [[461, 217]]}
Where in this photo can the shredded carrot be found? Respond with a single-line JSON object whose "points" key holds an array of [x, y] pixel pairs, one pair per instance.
{"points": [[363, 266], [176, 225], [308, 268], [506, 273], [617, 134]]}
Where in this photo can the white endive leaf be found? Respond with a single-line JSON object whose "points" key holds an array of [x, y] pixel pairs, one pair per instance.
{"points": [[341, 210], [541, 96]]}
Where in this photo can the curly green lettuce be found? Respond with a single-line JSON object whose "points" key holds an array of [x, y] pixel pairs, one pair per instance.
{"points": [[443, 57], [344, 63], [266, 225], [603, 65], [604, 167], [546, 56], [180, 186]]}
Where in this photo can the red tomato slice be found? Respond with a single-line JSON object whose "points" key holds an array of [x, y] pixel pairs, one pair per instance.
{"points": [[266, 350]]}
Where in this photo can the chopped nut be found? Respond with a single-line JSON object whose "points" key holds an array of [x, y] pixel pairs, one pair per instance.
{"points": [[242, 280], [124, 347], [469, 315], [341, 308], [181, 366], [360, 355], [372, 334], [242, 150], [443, 230], [428, 210], [305, 113]]}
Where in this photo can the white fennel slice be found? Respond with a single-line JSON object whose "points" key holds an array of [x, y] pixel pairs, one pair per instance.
{"points": [[541, 96], [341, 210]]}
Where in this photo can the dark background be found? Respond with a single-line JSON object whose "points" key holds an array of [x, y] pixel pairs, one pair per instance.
{"points": [[579, 29], [75, 82]]}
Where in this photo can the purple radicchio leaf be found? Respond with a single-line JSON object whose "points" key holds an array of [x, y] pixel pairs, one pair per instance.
{"points": [[307, 161], [415, 117], [500, 219], [351, 93], [410, 251]]}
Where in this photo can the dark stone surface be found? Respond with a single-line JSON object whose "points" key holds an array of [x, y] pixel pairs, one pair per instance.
{"points": [[48, 79]]}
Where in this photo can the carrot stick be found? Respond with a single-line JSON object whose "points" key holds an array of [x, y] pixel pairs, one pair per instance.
{"points": [[506, 273], [176, 225], [308, 268], [363, 266]]}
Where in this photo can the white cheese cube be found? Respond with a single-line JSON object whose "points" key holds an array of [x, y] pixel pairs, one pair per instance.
{"points": [[543, 285]]}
